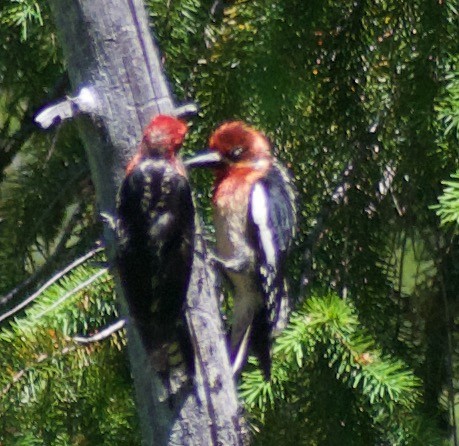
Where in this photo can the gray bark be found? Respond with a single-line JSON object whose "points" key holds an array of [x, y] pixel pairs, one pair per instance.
{"points": [[107, 45]]}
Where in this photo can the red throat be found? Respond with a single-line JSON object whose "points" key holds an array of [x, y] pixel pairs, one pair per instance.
{"points": [[233, 186]]}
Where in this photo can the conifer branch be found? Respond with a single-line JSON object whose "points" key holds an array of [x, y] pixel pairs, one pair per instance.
{"points": [[50, 282], [72, 292], [40, 359], [45, 269]]}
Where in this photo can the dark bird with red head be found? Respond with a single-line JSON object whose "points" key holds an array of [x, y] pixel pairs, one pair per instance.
{"points": [[155, 230]]}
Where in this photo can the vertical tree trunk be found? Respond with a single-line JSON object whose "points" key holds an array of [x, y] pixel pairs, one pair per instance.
{"points": [[107, 45]]}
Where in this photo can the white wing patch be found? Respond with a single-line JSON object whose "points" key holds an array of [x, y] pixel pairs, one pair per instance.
{"points": [[260, 212]]}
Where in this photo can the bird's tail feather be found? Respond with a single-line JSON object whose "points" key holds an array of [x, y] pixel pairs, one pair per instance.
{"points": [[239, 354], [261, 341]]}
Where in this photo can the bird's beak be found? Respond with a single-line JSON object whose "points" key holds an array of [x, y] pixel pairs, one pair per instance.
{"points": [[204, 159]]}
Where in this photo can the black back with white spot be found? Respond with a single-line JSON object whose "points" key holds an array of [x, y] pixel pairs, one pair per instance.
{"points": [[281, 220], [155, 230]]}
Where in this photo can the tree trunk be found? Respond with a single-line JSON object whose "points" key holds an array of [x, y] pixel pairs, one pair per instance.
{"points": [[107, 46]]}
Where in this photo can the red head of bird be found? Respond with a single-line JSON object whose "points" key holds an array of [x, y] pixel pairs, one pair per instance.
{"points": [[240, 156], [240, 147], [162, 138]]}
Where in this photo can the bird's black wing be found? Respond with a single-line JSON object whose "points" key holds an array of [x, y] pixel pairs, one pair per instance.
{"points": [[155, 227], [272, 223]]}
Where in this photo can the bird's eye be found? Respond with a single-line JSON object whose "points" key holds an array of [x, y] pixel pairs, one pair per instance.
{"points": [[235, 153]]}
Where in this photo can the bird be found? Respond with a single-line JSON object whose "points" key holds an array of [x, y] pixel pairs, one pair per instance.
{"points": [[254, 201], [155, 235]]}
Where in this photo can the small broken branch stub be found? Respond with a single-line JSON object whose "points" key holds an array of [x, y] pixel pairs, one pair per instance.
{"points": [[85, 102]]}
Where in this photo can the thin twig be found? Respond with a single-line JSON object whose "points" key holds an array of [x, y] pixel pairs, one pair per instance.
{"points": [[338, 196], [401, 272], [53, 144], [50, 282], [70, 293], [12, 144], [45, 269], [57, 197], [103, 334], [80, 340], [384, 187], [335, 198]]}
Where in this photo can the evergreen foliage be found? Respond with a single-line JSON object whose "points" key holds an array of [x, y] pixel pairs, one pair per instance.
{"points": [[372, 390], [55, 391], [448, 207], [361, 99]]}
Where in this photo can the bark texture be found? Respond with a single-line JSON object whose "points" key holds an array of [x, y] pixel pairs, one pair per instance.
{"points": [[107, 45]]}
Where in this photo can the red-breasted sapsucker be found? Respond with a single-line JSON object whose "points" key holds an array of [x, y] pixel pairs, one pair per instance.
{"points": [[255, 220], [155, 230]]}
